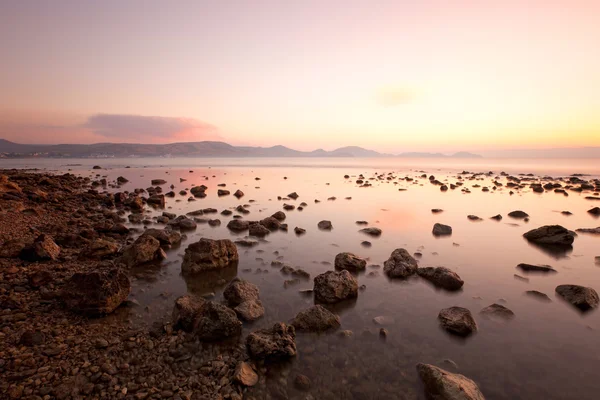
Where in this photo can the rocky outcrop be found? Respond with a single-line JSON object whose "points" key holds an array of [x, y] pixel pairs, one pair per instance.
{"points": [[440, 384], [441, 277], [350, 262], [335, 286], [274, 343], [584, 298], [96, 293], [457, 320], [316, 319], [400, 264], [550, 235], [209, 254], [144, 250]]}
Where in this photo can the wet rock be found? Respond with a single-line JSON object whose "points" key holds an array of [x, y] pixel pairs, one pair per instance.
{"points": [[245, 375], [535, 268], [223, 192], [593, 231], [144, 250], [157, 200], [594, 211], [400, 264], [316, 319], [185, 312], [584, 298], [288, 207], [166, 237], [198, 191], [43, 249], [100, 249], [209, 254], [156, 182], [497, 217], [279, 215], [325, 225], [250, 310], [457, 320], [247, 242], [375, 232], [550, 235], [436, 210], [239, 291], [97, 292], [238, 225], [274, 343], [271, 223], [216, 322], [497, 311], [473, 218], [258, 230], [443, 385], [293, 196], [299, 231], [239, 194], [442, 230], [350, 262], [518, 214], [441, 277], [335, 286]]}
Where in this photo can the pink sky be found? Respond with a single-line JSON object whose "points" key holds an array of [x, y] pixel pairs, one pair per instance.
{"points": [[388, 75]]}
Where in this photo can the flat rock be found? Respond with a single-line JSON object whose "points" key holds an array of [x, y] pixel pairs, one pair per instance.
{"points": [[316, 319], [584, 298], [441, 277], [440, 384], [400, 264], [457, 320], [593, 231]]}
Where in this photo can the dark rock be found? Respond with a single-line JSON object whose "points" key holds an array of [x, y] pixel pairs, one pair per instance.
{"points": [[144, 250], [302, 383], [443, 385], [274, 343], [316, 319], [442, 230], [335, 286], [238, 225], [216, 322], [239, 194], [185, 312], [550, 235], [538, 295], [96, 293], [279, 215], [245, 375], [43, 249], [497, 217], [258, 230], [100, 249], [250, 310], [239, 291], [325, 225], [271, 223], [497, 311], [400, 264], [457, 320], [594, 211], [166, 237], [350, 262], [299, 231], [375, 232], [584, 298], [535, 268], [518, 214], [441, 277], [222, 192], [293, 196], [32, 338]]}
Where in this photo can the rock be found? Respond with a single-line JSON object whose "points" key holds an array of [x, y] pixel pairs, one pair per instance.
{"points": [[584, 298], [288, 207], [535, 268], [593, 231], [258, 230], [400, 264], [277, 342], [32, 338], [247, 242], [166, 237], [97, 292], [209, 254], [12, 248], [238, 225], [239, 291], [156, 182], [279, 215], [518, 214], [239, 194], [350, 262], [538, 295], [302, 382], [293, 196], [550, 235], [99, 249], [443, 385], [316, 319], [185, 312], [244, 374], [42, 249], [216, 322], [497, 311], [497, 217], [157, 199], [375, 232], [271, 223], [335, 286], [250, 310], [222, 192], [441, 277], [299, 231], [442, 230], [325, 225], [144, 250], [473, 218], [198, 191], [594, 211], [457, 320]]}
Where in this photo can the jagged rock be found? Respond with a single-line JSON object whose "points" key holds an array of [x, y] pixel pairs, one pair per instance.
{"points": [[335, 286], [584, 298], [245, 375], [144, 250], [550, 235], [441, 277], [400, 264], [457, 320], [43, 249], [443, 385], [239, 291], [216, 322], [350, 262], [497, 311], [185, 312], [96, 293], [316, 319], [277, 342], [208, 254], [442, 230]]}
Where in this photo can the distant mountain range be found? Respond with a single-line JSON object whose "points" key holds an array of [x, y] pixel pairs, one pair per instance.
{"points": [[192, 149]]}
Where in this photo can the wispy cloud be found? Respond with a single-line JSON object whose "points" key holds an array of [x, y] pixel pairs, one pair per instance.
{"points": [[391, 97]]}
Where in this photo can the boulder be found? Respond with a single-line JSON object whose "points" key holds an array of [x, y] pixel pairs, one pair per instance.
{"points": [[335, 286], [325, 225], [316, 319], [497, 311], [350, 262], [215, 321], [96, 293], [441, 277], [584, 298], [239, 291], [144, 250], [400, 264], [43, 249], [550, 235], [442, 230], [209, 254], [457, 320], [443, 385], [185, 312], [277, 342]]}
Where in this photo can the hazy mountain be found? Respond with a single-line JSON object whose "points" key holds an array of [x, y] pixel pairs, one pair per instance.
{"points": [[193, 149]]}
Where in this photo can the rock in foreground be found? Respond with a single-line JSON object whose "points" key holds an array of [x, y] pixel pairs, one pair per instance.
{"points": [[277, 342], [209, 254], [400, 264], [457, 320], [550, 235], [584, 298], [442, 385], [96, 293]]}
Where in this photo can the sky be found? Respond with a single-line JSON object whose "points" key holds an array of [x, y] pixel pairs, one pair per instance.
{"points": [[392, 76]]}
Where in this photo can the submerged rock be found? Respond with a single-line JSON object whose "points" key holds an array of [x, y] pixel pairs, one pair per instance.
{"points": [[258, 230], [250, 310], [538, 295], [550, 235], [440, 384], [441, 277], [400, 264], [215, 321], [457, 320], [166, 237], [279, 215], [208, 254], [584, 298], [96, 293], [335, 286], [316, 319], [441, 230], [277, 342], [375, 232], [497, 311], [350, 262]]}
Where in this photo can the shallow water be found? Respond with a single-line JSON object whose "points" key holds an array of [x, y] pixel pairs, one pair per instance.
{"points": [[549, 351]]}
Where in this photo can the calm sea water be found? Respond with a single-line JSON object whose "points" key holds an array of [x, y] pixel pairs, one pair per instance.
{"points": [[549, 351]]}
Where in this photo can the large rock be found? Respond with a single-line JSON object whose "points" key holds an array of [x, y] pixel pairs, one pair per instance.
{"points": [[316, 319], [208, 254], [441, 230], [350, 262], [144, 250], [42, 249], [335, 286], [96, 293], [277, 342], [441, 277], [166, 237], [443, 385], [584, 298], [400, 264], [457, 320], [550, 235], [185, 312], [99, 249], [215, 321], [239, 291]]}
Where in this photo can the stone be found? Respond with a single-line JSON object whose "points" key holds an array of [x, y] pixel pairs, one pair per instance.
{"points": [[293, 195], [222, 192], [518, 214], [594, 231], [441, 277], [350, 262], [258, 230], [12, 248], [96, 293], [100, 249], [239, 194], [497, 217], [400, 264], [275, 343], [250, 310], [238, 225], [302, 383], [185, 312], [157, 200], [156, 182], [215, 321], [497, 311], [458, 321], [584, 298], [473, 218], [279, 215], [271, 223], [325, 225], [32, 338], [299, 231], [538, 295], [535, 268], [550, 235], [144, 250], [594, 211], [375, 232], [335, 286], [166, 237], [43, 249], [316, 319], [440, 384], [209, 254], [239, 291], [245, 375]]}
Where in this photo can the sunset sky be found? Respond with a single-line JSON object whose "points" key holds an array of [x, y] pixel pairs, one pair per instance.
{"points": [[386, 75]]}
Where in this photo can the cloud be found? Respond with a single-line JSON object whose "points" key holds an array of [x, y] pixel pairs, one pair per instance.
{"points": [[391, 97], [139, 127]]}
